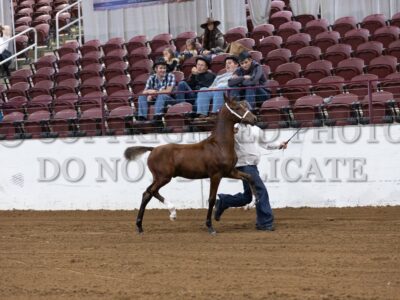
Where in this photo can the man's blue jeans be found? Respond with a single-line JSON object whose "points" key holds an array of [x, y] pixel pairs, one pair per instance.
{"points": [[204, 98], [265, 216], [160, 103], [185, 97], [253, 96]]}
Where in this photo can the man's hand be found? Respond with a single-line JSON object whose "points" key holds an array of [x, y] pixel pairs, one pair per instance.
{"points": [[283, 145], [194, 71], [234, 76], [246, 77], [150, 98]]}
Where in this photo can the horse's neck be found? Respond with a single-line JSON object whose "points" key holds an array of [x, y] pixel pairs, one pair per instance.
{"points": [[223, 133]]}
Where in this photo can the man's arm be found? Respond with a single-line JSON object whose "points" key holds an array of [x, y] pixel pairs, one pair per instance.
{"points": [[170, 84], [260, 132], [255, 77], [235, 80]]}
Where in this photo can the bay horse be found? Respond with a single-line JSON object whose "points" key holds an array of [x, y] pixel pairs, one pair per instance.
{"points": [[213, 158]]}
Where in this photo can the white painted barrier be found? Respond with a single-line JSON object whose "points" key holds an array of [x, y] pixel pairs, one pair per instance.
{"points": [[322, 167]]}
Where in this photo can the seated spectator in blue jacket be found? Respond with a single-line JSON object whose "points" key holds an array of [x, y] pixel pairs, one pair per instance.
{"points": [[214, 93], [250, 74], [156, 91], [201, 78]]}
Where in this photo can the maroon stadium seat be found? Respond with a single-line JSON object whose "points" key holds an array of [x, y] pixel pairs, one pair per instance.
{"points": [[274, 113], [307, 112], [341, 110], [175, 117]]}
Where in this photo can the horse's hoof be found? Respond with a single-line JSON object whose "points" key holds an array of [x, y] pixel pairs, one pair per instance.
{"points": [[172, 216], [139, 230], [212, 231]]}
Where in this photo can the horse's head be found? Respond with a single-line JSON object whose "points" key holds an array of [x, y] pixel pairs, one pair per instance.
{"points": [[240, 111]]}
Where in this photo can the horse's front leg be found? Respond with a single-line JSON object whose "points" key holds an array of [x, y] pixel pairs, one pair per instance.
{"points": [[214, 183], [236, 174]]}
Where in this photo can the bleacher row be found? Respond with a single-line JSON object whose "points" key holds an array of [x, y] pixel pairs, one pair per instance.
{"points": [[292, 106], [93, 89], [40, 14]]}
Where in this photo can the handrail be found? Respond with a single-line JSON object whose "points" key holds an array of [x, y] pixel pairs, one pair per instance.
{"points": [[34, 45], [58, 30]]}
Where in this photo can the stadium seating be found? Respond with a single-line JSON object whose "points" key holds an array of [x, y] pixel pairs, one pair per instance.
{"points": [[306, 55], [344, 24], [342, 110], [360, 85], [277, 57], [92, 89], [307, 112], [382, 108], [274, 113]]}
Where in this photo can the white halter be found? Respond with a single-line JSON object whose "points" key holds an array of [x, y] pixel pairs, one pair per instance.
{"points": [[236, 114]]}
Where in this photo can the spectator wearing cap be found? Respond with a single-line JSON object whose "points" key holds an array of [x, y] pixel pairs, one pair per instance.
{"points": [[201, 78], [251, 75], [214, 92], [157, 90], [213, 39]]}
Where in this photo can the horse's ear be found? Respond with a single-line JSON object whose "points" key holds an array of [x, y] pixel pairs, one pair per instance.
{"points": [[229, 100], [226, 98]]}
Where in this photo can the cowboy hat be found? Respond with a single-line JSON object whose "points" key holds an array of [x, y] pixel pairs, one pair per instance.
{"points": [[205, 59], [210, 21], [159, 61], [232, 57]]}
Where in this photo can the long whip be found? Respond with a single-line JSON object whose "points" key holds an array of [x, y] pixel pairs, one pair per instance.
{"points": [[294, 134]]}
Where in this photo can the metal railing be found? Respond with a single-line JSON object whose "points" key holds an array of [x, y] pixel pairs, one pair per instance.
{"points": [[93, 115], [78, 20], [34, 45]]}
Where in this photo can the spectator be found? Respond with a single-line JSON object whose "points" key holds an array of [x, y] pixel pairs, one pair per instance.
{"points": [[170, 59], [220, 82], [213, 38], [247, 147], [201, 78], [250, 74], [5, 34], [190, 50], [156, 91]]}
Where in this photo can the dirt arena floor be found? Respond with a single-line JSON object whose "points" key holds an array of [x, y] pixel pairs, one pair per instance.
{"points": [[351, 253]]}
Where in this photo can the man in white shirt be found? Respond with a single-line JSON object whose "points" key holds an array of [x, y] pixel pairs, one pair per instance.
{"points": [[247, 147]]}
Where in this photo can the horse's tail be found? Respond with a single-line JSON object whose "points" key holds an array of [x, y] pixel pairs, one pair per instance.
{"points": [[131, 152]]}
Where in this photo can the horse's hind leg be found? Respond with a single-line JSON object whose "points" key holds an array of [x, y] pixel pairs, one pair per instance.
{"points": [[147, 195], [170, 206], [214, 183], [151, 191]]}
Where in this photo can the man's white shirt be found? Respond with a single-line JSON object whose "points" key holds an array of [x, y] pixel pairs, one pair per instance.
{"points": [[249, 144]]}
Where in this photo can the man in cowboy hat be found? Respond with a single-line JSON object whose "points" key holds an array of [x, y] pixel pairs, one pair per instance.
{"points": [[213, 39], [201, 78], [157, 90]]}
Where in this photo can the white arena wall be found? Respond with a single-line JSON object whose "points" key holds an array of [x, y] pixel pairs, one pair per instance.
{"points": [[322, 167]]}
